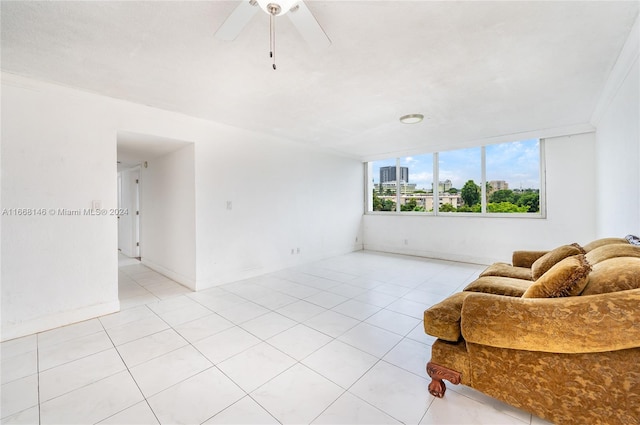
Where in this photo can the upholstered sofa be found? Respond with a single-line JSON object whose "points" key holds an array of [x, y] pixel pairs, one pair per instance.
{"points": [[561, 339]]}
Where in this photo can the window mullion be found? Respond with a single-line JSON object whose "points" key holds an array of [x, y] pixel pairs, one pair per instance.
{"points": [[436, 184], [483, 185]]}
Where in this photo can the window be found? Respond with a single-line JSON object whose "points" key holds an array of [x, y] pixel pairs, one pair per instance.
{"points": [[459, 180], [504, 178], [416, 183], [383, 189], [513, 177]]}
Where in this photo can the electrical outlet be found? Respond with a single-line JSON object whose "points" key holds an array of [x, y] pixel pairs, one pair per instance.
{"points": [[293, 251], [229, 205], [297, 250], [406, 241]]}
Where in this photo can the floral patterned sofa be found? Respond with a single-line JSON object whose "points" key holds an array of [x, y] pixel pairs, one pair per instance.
{"points": [[556, 333]]}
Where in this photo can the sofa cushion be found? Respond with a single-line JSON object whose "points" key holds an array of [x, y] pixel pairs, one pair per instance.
{"points": [[507, 270], [499, 285], [567, 278], [605, 252], [612, 275], [442, 320], [604, 241], [544, 263]]}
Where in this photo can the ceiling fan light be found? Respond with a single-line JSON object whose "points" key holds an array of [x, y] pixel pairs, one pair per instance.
{"points": [[285, 5], [411, 118]]}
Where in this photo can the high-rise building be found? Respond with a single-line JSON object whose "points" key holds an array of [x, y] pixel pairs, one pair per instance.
{"points": [[388, 174]]}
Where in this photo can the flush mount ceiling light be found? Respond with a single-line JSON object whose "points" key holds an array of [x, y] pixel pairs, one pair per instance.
{"points": [[411, 118]]}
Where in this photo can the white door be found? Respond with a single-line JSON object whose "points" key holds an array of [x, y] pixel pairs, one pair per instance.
{"points": [[135, 183]]}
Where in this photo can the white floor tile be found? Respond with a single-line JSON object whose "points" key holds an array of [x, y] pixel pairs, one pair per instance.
{"points": [[149, 347], [92, 403], [297, 396], [76, 374], [350, 410], [19, 395], [371, 339], [457, 409], [393, 322], [196, 399], [341, 363], [410, 355], [268, 325], [400, 394], [64, 352], [199, 329], [66, 333], [138, 414], [376, 298], [331, 323], [225, 344], [30, 416], [243, 312], [137, 329], [255, 366], [299, 341], [246, 411], [18, 346], [18, 366], [408, 307], [300, 310], [356, 309], [326, 299], [176, 366], [185, 314]]}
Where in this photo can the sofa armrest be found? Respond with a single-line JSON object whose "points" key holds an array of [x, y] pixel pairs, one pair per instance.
{"points": [[582, 324], [526, 258]]}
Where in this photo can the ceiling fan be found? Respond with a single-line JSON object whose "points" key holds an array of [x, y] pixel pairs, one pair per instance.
{"points": [[296, 10]]}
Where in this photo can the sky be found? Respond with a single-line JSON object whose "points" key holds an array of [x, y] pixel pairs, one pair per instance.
{"points": [[517, 163]]}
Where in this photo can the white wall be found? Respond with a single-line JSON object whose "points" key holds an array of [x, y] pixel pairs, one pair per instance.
{"points": [[570, 216], [59, 151], [263, 200], [56, 154], [168, 215], [618, 147]]}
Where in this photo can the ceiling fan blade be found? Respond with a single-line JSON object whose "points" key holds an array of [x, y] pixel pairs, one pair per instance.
{"points": [[238, 19], [308, 26]]}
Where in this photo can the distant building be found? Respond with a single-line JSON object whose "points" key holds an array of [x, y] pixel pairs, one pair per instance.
{"points": [[498, 185], [388, 174]]}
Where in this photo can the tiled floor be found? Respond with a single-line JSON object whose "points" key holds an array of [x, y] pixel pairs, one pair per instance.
{"points": [[339, 341]]}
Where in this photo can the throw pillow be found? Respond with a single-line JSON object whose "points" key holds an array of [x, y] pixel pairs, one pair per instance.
{"points": [[548, 260], [567, 278], [633, 240]]}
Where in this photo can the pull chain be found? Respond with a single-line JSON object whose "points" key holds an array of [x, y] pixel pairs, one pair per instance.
{"points": [[272, 38]]}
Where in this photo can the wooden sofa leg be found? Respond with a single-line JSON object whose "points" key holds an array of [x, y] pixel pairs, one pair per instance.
{"points": [[437, 374]]}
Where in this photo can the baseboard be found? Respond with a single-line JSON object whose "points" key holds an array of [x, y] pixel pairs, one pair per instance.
{"points": [[181, 279], [52, 321]]}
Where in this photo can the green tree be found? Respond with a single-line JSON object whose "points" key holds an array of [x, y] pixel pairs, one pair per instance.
{"points": [[505, 207], [504, 195], [410, 205], [447, 208], [531, 200], [470, 193], [452, 190]]}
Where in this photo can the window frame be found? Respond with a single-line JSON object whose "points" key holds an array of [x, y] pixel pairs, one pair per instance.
{"points": [[369, 187]]}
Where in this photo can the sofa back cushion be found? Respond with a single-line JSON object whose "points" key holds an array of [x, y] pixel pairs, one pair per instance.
{"points": [[544, 263], [612, 275], [567, 278], [611, 251], [604, 241]]}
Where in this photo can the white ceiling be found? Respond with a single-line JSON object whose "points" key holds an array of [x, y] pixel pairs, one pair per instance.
{"points": [[476, 70]]}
